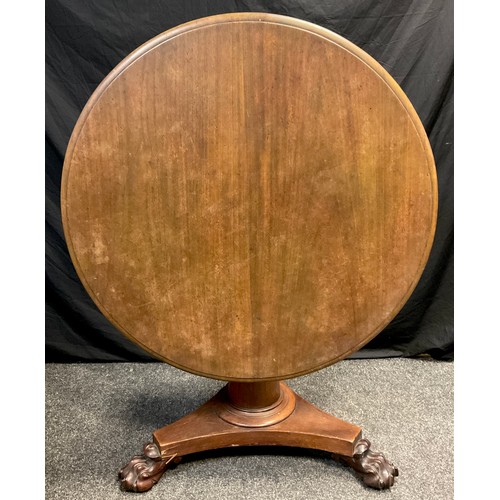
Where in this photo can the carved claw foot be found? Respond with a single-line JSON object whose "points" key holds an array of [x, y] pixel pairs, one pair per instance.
{"points": [[376, 470], [145, 470]]}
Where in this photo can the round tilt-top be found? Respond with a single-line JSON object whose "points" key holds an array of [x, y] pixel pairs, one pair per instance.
{"points": [[249, 197]]}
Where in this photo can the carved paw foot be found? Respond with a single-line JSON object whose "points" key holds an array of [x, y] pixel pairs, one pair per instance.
{"points": [[376, 470], [145, 470]]}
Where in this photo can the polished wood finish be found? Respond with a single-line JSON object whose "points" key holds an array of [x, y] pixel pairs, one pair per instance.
{"points": [[249, 197], [252, 404], [248, 395], [305, 427]]}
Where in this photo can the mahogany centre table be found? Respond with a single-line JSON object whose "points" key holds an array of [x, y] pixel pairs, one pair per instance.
{"points": [[250, 197]]}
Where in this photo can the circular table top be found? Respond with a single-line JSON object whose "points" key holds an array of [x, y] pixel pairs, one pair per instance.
{"points": [[249, 197]]}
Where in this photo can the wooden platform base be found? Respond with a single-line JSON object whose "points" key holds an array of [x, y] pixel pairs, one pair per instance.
{"points": [[256, 414]]}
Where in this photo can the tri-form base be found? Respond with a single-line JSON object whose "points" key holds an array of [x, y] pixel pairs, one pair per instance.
{"points": [[256, 414]]}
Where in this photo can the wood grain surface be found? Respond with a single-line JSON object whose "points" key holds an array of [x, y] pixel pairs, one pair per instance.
{"points": [[249, 197]]}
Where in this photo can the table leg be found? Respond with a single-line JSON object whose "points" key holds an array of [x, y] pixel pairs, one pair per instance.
{"points": [[244, 414]]}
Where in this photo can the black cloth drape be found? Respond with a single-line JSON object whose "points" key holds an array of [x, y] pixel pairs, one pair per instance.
{"points": [[85, 40]]}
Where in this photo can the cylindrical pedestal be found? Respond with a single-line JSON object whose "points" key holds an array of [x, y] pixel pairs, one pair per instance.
{"points": [[254, 396], [256, 404]]}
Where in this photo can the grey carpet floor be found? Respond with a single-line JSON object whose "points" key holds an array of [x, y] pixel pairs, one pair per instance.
{"points": [[99, 415]]}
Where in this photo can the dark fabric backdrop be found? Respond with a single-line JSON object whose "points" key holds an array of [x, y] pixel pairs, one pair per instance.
{"points": [[85, 39]]}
